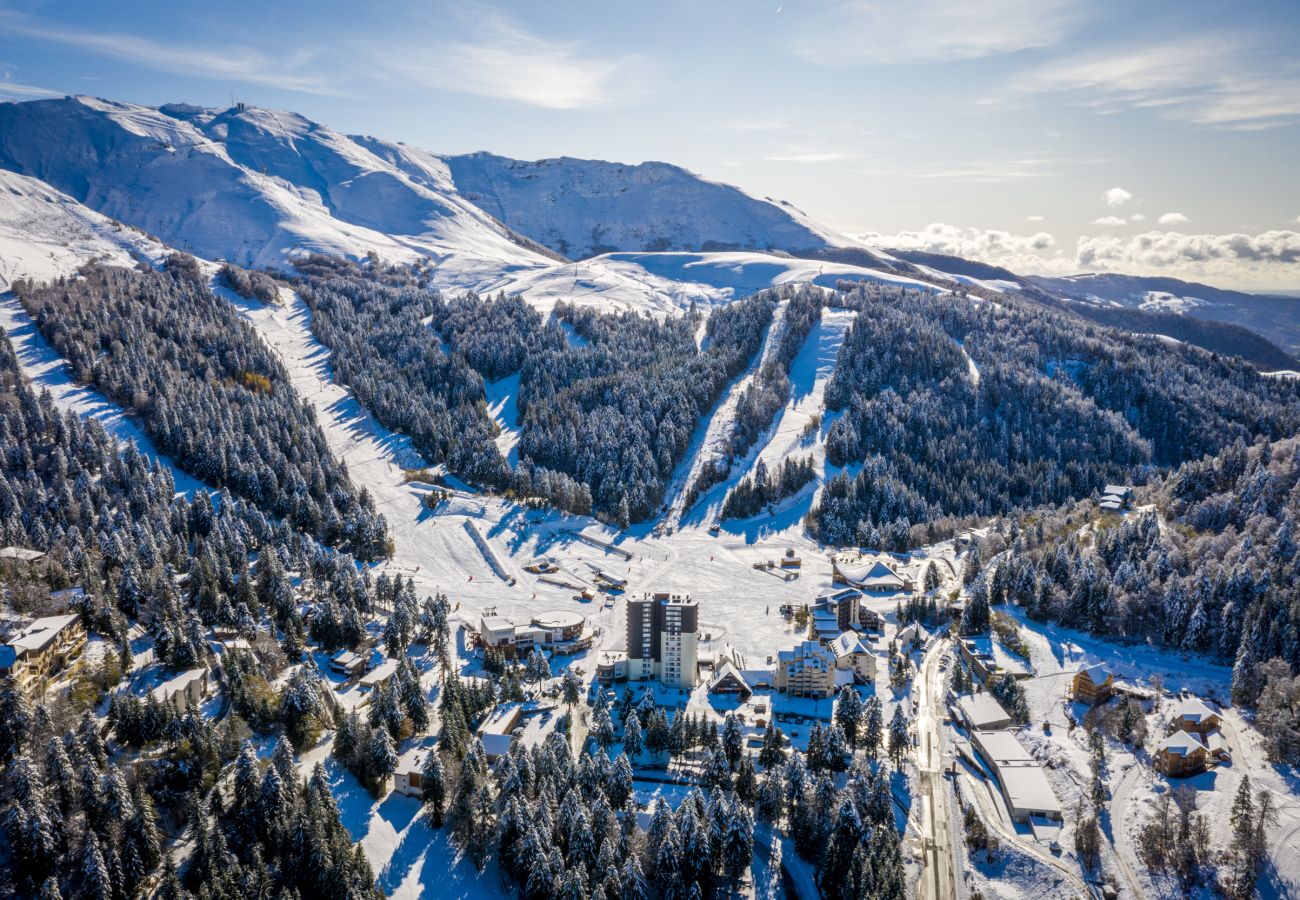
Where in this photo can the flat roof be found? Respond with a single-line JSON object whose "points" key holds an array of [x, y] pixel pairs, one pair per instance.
{"points": [[1023, 782], [982, 710], [558, 618], [501, 720]]}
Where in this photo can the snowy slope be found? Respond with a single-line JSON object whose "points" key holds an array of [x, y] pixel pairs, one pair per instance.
{"points": [[671, 281], [583, 208], [253, 186], [45, 233]]}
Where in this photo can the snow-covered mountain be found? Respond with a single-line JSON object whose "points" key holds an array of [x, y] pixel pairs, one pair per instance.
{"points": [[44, 233], [258, 186], [582, 208], [1274, 316], [250, 185]]}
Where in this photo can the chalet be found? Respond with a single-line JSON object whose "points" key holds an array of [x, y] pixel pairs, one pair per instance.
{"points": [[21, 554], [914, 635], [853, 655], [728, 679], [498, 730], [878, 577], [408, 776], [543, 565], [345, 662], [1116, 498], [791, 560], [379, 675], [42, 650], [1194, 717], [184, 690], [1092, 684], [1180, 754]]}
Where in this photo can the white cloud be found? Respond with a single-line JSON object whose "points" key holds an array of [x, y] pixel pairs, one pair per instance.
{"points": [[1265, 260], [1032, 252], [1116, 197], [1172, 218], [26, 91], [286, 69], [811, 156], [1137, 217], [1033, 218], [893, 32], [1222, 80], [1111, 221], [503, 61]]}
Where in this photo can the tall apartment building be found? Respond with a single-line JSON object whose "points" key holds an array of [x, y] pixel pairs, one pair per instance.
{"points": [[663, 638]]}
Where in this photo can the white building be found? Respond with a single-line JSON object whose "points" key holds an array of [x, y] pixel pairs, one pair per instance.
{"points": [[853, 654], [408, 777], [663, 639], [982, 712], [183, 690], [1025, 788]]}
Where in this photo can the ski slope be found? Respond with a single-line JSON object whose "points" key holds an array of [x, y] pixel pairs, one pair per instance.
{"points": [[712, 440], [810, 371]]}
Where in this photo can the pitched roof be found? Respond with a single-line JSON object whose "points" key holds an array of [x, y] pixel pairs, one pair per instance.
{"points": [[1180, 743], [1097, 673], [848, 643], [1193, 710]]}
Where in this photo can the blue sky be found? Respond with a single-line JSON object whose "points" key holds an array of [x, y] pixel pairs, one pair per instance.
{"points": [[1045, 135]]}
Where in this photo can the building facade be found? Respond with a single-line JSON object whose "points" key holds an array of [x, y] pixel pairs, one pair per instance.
{"points": [[663, 639], [42, 650], [806, 670]]}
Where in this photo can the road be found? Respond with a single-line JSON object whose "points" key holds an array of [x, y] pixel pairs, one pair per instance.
{"points": [[936, 831], [1120, 798]]}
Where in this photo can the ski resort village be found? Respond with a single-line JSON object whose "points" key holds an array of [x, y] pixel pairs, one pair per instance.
{"points": [[372, 524]]}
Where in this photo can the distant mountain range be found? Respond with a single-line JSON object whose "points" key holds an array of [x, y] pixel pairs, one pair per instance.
{"points": [[258, 186]]}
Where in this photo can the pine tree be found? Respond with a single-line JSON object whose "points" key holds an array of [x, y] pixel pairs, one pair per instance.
{"points": [[899, 737]]}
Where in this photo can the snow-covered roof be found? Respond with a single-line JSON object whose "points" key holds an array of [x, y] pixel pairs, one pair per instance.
{"points": [[497, 744], [41, 633], [379, 674], [177, 683], [982, 711], [1022, 779], [875, 576], [1097, 673], [1117, 490], [20, 553], [847, 644], [1192, 709], [1180, 743]]}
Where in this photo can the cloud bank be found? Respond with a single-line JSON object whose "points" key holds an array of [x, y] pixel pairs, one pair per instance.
{"points": [[1269, 260]]}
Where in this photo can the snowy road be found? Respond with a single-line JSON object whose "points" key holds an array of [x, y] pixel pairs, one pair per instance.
{"points": [[937, 879]]}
